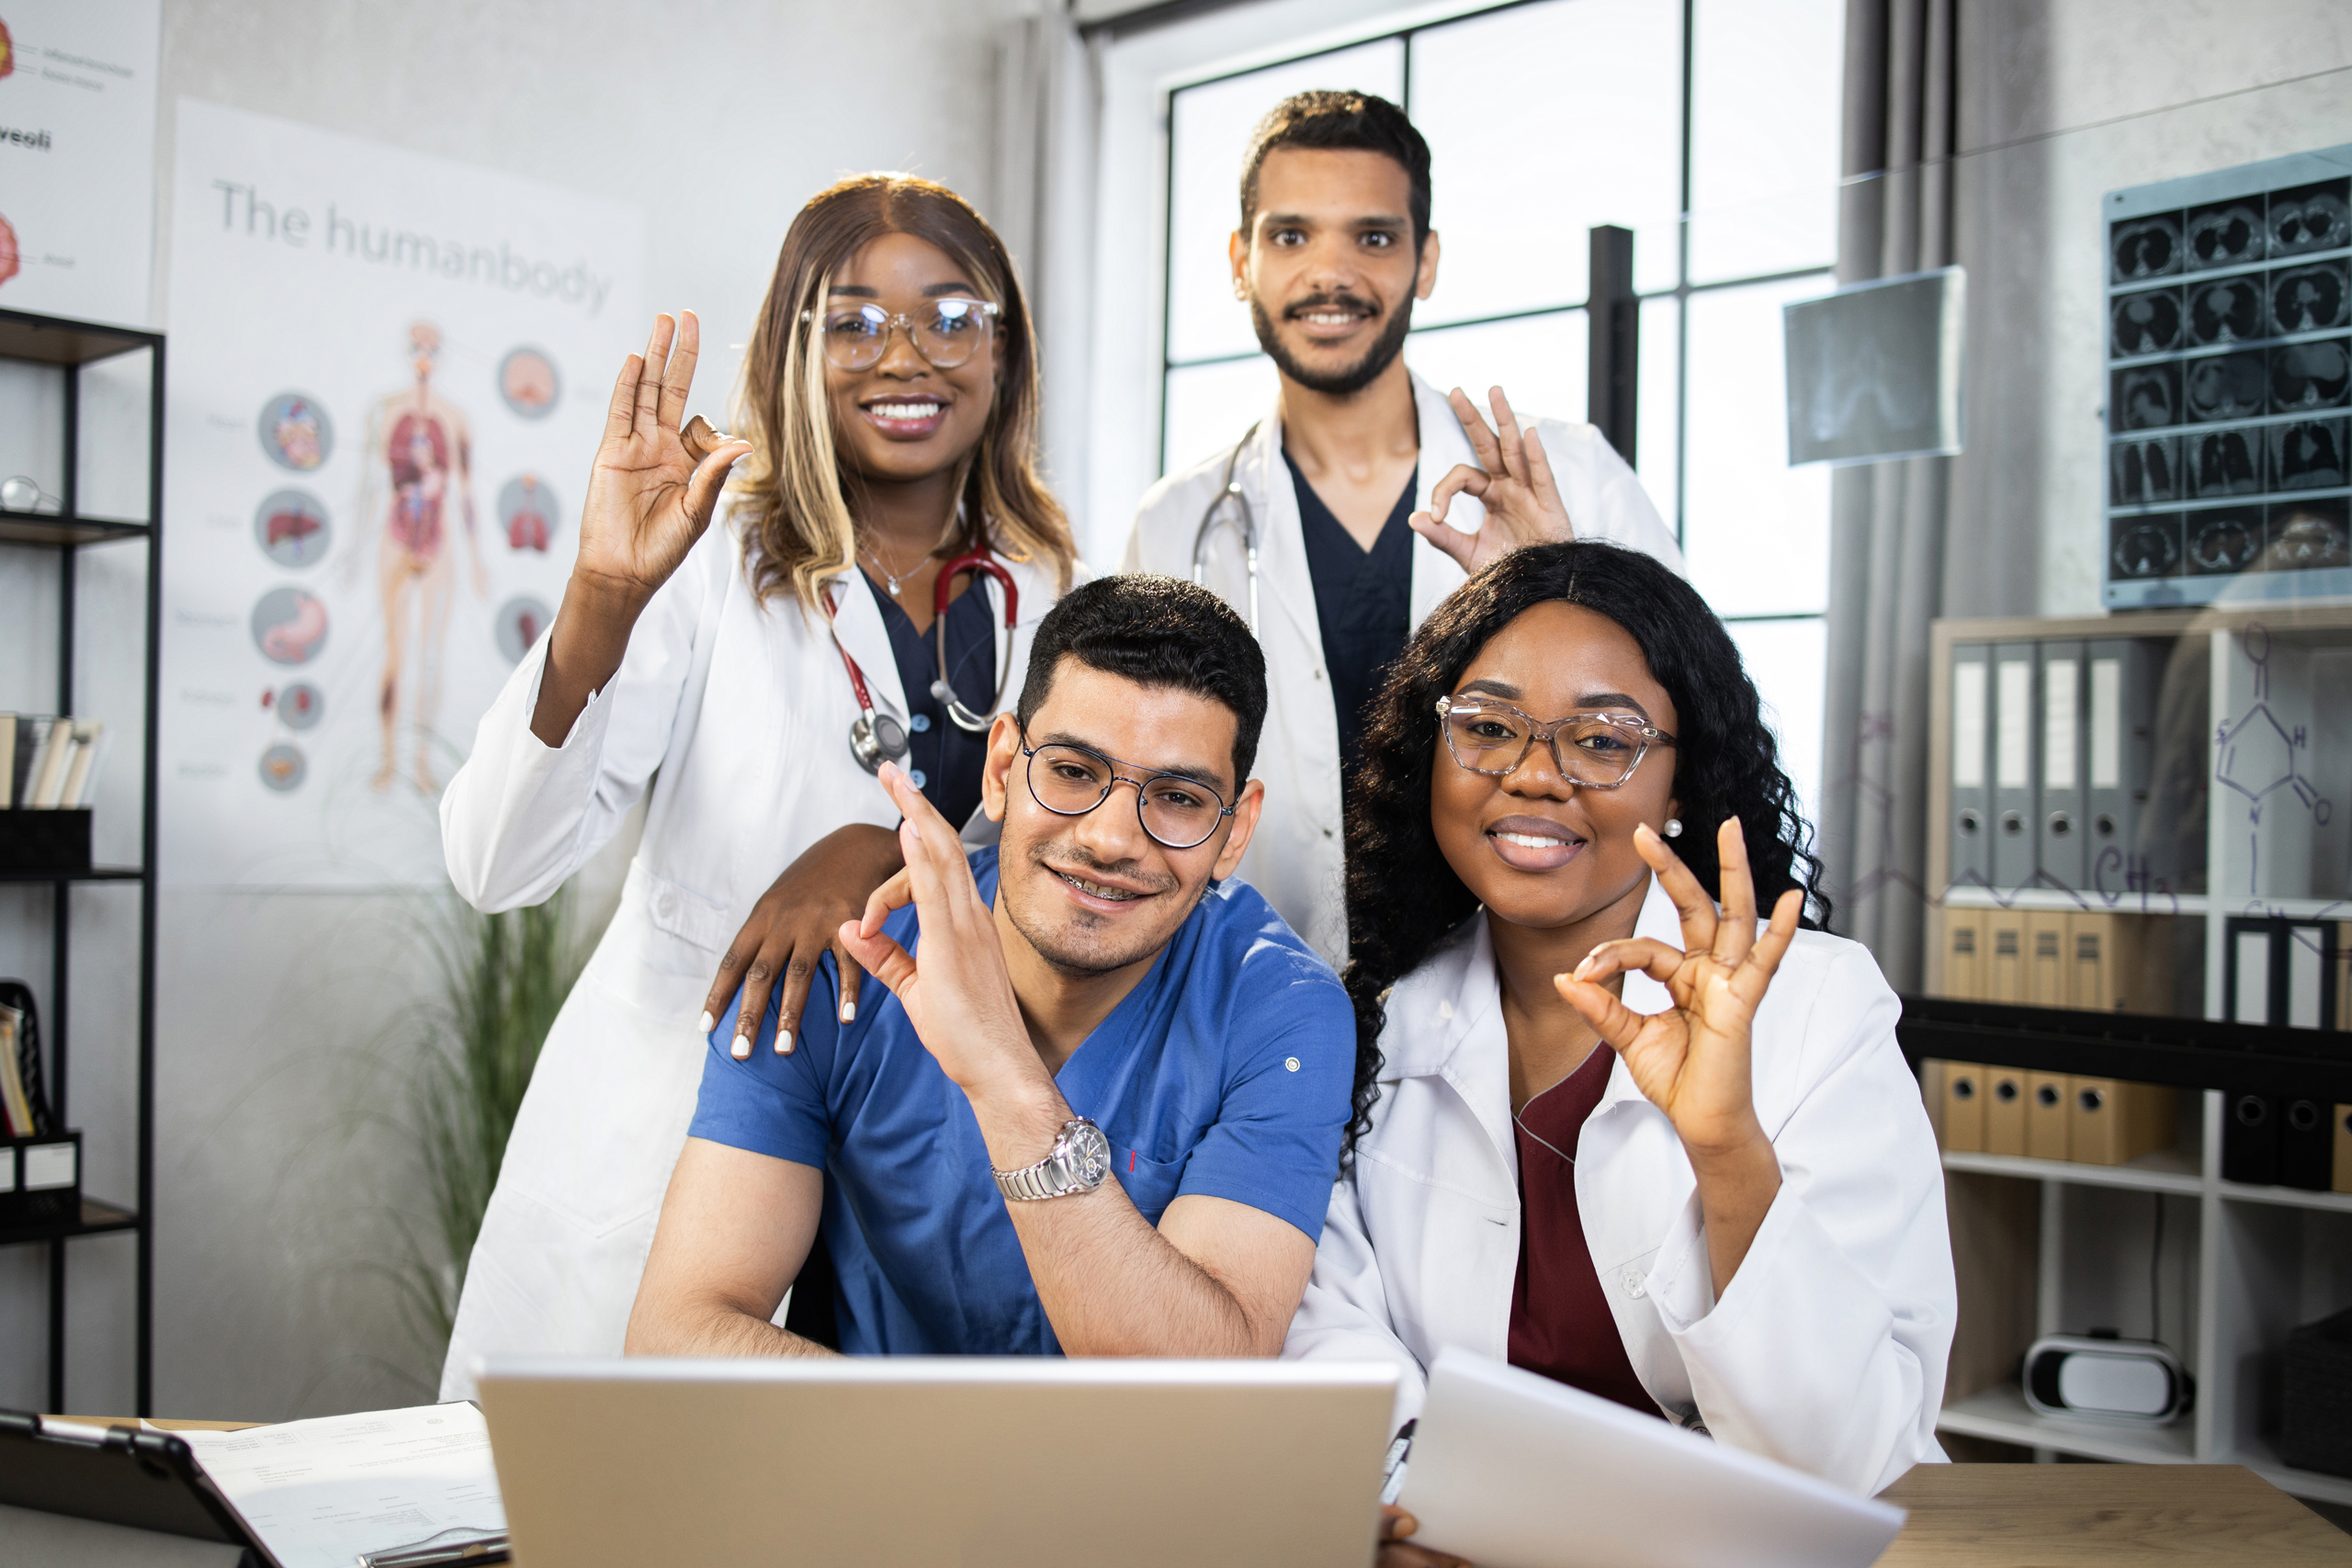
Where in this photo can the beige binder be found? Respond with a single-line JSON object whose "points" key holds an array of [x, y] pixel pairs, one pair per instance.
{"points": [[1963, 954], [2045, 1115], [2005, 967], [2114, 1123], [1963, 1100], [2046, 960], [2004, 1110]]}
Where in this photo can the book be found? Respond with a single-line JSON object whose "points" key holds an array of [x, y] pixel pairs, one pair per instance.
{"points": [[32, 736], [81, 772], [13, 1100], [56, 760], [8, 761]]}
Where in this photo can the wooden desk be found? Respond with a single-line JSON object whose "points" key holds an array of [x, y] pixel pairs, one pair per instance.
{"points": [[2103, 1515], [2055, 1516]]}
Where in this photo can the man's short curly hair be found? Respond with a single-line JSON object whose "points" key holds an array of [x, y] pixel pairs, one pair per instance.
{"points": [[1349, 121]]}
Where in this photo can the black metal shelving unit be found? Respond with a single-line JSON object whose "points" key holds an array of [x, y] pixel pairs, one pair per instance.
{"points": [[68, 347]]}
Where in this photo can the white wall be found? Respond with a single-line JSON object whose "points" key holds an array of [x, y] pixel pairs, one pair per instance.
{"points": [[2061, 102], [280, 1181]]}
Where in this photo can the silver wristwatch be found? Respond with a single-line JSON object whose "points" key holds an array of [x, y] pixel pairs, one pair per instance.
{"points": [[1079, 1162]]}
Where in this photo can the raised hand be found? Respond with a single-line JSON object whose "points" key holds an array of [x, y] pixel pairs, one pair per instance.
{"points": [[1514, 482], [649, 494], [1692, 1061], [959, 997]]}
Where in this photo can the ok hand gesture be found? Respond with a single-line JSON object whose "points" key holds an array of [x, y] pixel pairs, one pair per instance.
{"points": [[959, 997], [1514, 482], [651, 494], [1692, 1061]]}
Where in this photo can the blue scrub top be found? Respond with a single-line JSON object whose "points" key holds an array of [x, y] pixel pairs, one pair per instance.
{"points": [[1226, 1071]]}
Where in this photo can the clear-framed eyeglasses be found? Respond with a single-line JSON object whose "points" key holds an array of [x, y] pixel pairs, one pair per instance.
{"points": [[1179, 813], [946, 333], [1591, 751]]}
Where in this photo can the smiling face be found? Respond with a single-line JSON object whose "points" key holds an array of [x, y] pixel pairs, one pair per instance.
{"points": [[1535, 850], [1095, 893], [900, 419], [1327, 264]]}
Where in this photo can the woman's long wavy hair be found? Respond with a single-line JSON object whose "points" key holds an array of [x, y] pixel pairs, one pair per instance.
{"points": [[792, 493], [1403, 896]]}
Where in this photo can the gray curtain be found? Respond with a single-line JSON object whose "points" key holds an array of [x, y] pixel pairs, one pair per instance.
{"points": [[1887, 519]]}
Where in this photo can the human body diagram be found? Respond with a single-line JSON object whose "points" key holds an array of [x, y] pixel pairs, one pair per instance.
{"points": [[418, 472]]}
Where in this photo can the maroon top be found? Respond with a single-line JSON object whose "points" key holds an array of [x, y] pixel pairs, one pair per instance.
{"points": [[1560, 1322]]}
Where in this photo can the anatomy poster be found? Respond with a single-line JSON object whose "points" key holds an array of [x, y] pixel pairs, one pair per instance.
{"points": [[77, 157], [386, 382]]}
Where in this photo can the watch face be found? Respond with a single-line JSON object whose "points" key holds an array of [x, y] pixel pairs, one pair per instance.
{"points": [[1089, 1154]]}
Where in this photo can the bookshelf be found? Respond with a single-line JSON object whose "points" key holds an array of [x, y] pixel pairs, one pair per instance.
{"points": [[66, 347], [2163, 1247]]}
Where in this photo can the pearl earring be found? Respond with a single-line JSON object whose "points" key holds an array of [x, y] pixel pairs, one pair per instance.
{"points": [[1673, 827]]}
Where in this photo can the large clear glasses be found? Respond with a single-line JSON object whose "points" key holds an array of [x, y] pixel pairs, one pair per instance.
{"points": [[1592, 750], [946, 333], [1069, 781]]}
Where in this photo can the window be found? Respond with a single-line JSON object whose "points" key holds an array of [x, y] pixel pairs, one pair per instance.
{"points": [[1710, 128]]}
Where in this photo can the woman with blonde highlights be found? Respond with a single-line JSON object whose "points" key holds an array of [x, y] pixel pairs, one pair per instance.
{"points": [[886, 439]]}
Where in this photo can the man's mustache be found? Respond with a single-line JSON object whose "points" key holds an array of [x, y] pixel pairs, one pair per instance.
{"points": [[1078, 857]]}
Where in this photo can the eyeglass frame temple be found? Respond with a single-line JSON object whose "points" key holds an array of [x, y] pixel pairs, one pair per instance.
{"points": [[1118, 778], [1549, 735], [901, 321]]}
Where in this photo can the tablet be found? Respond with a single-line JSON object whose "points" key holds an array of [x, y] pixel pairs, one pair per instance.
{"points": [[119, 1476], [1512, 1470]]}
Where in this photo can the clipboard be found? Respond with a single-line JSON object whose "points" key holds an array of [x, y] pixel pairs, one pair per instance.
{"points": [[117, 1475]]}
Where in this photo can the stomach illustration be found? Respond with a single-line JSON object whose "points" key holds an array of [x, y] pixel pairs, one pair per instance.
{"points": [[289, 627]]}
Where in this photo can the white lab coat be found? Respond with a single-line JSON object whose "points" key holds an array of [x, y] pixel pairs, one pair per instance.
{"points": [[744, 709], [1827, 1351], [1296, 858]]}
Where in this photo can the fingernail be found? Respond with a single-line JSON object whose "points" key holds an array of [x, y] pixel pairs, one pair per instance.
{"points": [[705, 1024], [849, 1012], [784, 1043], [742, 1049]]}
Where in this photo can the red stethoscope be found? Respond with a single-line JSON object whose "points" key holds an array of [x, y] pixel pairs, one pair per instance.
{"points": [[876, 737]]}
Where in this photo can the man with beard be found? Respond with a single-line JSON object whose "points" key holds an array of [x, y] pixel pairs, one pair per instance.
{"points": [[1097, 1107], [1357, 457]]}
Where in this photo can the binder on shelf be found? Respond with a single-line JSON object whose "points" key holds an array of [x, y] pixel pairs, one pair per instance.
{"points": [[2114, 1123], [1963, 1107], [2250, 1139], [2307, 1145], [2014, 841], [1965, 953], [2120, 757], [2092, 961], [2064, 807], [1971, 798], [2342, 1181], [2046, 1098], [2005, 967], [2048, 963], [2280, 972], [2004, 1110]]}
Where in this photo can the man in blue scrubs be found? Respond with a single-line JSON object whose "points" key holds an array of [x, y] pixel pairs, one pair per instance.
{"points": [[1097, 1108]]}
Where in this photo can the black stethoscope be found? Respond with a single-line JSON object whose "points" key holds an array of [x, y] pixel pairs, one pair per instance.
{"points": [[876, 737], [1245, 524]]}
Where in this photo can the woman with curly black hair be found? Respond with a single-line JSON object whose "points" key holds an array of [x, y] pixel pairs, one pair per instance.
{"points": [[1605, 1129]]}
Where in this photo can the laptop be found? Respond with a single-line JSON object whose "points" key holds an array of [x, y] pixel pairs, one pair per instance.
{"points": [[1512, 1470], [979, 1463]]}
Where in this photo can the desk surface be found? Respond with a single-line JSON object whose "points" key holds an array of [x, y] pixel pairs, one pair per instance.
{"points": [[2055, 1516]]}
